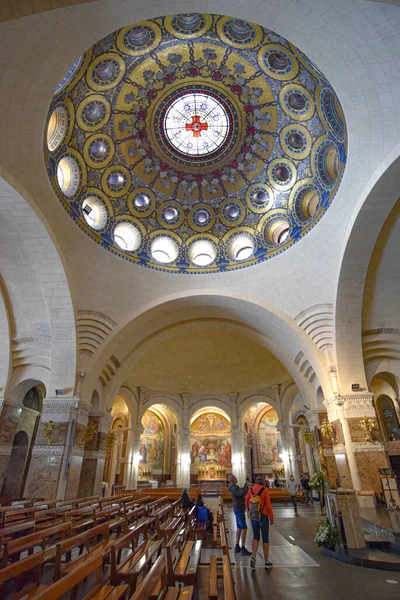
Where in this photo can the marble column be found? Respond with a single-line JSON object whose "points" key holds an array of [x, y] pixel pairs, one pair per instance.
{"points": [[55, 468], [94, 458], [364, 458], [183, 446], [238, 458]]}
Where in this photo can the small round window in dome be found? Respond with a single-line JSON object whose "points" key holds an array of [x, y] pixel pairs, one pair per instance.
{"points": [[68, 76], [233, 211], [94, 212], [277, 231], [278, 61], [142, 201], [170, 214], [296, 101], [68, 176], [202, 253], [164, 249], [196, 123], [241, 247], [306, 203], [260, 197], [127, 237], [201, 217], [56, 128]]}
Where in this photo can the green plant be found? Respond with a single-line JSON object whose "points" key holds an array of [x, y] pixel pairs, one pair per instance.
{"points": [[327, 536], [316, 481]]}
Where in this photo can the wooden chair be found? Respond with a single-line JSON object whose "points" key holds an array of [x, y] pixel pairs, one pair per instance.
{"points": [[154, 586], [69, 586], [183, 557]]}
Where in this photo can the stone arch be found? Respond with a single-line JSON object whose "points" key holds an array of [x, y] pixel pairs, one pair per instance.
{"points": [[388, 418], [37, 292], [378, 199], [255, 319]]}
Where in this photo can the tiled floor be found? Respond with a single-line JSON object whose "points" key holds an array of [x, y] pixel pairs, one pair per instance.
{"points": [[301, 570]]}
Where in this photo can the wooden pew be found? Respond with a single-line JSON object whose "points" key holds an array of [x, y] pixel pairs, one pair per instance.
{"points": [[85, 542], [154, 586], [197, 529], [154, 506], [11, 515], [23, 576], [129, 568], [112, 516], [69, 586], [13, 531], [45, 539], [183, 557], [224, 566], [133, 517]]}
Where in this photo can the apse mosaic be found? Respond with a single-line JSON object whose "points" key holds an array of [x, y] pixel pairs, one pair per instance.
{"points": [[210, 440], [195, 143]]}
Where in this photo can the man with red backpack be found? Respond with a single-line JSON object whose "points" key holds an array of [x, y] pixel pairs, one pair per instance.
{"points": [[258, 503]]}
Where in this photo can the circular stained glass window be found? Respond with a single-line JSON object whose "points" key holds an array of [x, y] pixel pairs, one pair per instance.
{"points": [[196, 124]]}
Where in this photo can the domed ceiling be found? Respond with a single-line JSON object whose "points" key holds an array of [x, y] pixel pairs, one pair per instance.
{"points": [[195, 143]]}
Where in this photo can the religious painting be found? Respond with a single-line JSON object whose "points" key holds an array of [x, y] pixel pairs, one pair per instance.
{"points": [[269, 439], [152, 440], [210, 440]]}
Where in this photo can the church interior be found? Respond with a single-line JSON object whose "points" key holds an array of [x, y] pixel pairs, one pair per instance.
{"points": [[199, 233]]}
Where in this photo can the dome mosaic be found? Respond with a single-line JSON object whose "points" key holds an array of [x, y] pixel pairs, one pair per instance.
{"points": [[195, 143]]}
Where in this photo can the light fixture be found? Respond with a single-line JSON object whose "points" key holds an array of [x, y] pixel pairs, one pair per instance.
{"points": [[127, 237], [164, 249], [202, 253]]}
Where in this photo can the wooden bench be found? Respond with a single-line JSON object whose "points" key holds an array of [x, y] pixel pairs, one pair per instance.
{"points": [[166, 522], [154, 506], [75, 549], [132, 518], [13, 531], [154, 586], [11, 515], [129, 568], [226, 575], [113, 517], [197, 529], [183, 557], [69, 586], [45, 539], [23, 575]]}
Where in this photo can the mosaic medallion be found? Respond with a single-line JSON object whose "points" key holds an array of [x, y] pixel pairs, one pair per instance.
{"points": [[195, 143]]}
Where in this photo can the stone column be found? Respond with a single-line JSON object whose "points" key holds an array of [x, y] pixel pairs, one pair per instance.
{"points": [[55, 468], [183, 446], [94, 458], [136, 455]]}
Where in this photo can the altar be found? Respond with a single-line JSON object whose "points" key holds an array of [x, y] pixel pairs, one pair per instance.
{"points": [[211, 471]]}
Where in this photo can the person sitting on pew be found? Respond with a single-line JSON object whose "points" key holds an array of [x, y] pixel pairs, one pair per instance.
{"points": [[186, 502], [203, 513]]}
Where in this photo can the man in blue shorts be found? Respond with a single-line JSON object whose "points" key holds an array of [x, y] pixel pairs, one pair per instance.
{"points": [[238, 497]]}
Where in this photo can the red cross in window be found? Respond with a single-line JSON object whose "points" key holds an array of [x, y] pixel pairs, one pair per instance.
{"points": [[196, 126]]}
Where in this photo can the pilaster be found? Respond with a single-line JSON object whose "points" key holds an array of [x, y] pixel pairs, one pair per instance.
{"points": [[94, 457], [55, 468]]}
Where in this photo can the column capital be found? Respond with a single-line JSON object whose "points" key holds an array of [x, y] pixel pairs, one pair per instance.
{"points": [[312, 419], [62, 409], [350, 406]]}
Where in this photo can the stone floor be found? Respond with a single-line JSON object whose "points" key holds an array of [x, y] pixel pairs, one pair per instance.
{"points": [[300, 570]]}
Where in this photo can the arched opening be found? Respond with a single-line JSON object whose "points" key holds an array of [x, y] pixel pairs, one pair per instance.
{"points": [[14, 473], [115, 467], [210, 446], [388, 418], [158, 447], [263, 443]]}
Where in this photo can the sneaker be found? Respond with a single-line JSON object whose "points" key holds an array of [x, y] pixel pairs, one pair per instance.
{"points": [[252, 563], [268, 565], [237, 549], [245, 552]]}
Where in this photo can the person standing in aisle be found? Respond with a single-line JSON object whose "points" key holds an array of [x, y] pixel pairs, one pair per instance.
{"points": [[292, 487], [258, 503], [238, 496]]}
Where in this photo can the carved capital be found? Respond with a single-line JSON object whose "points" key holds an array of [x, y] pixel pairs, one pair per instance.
{"points": [[368, 447], [351, 406], [49, 450]]}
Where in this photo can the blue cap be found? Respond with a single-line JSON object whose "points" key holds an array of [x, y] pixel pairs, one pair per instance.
{"points": [[184, 491]]}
